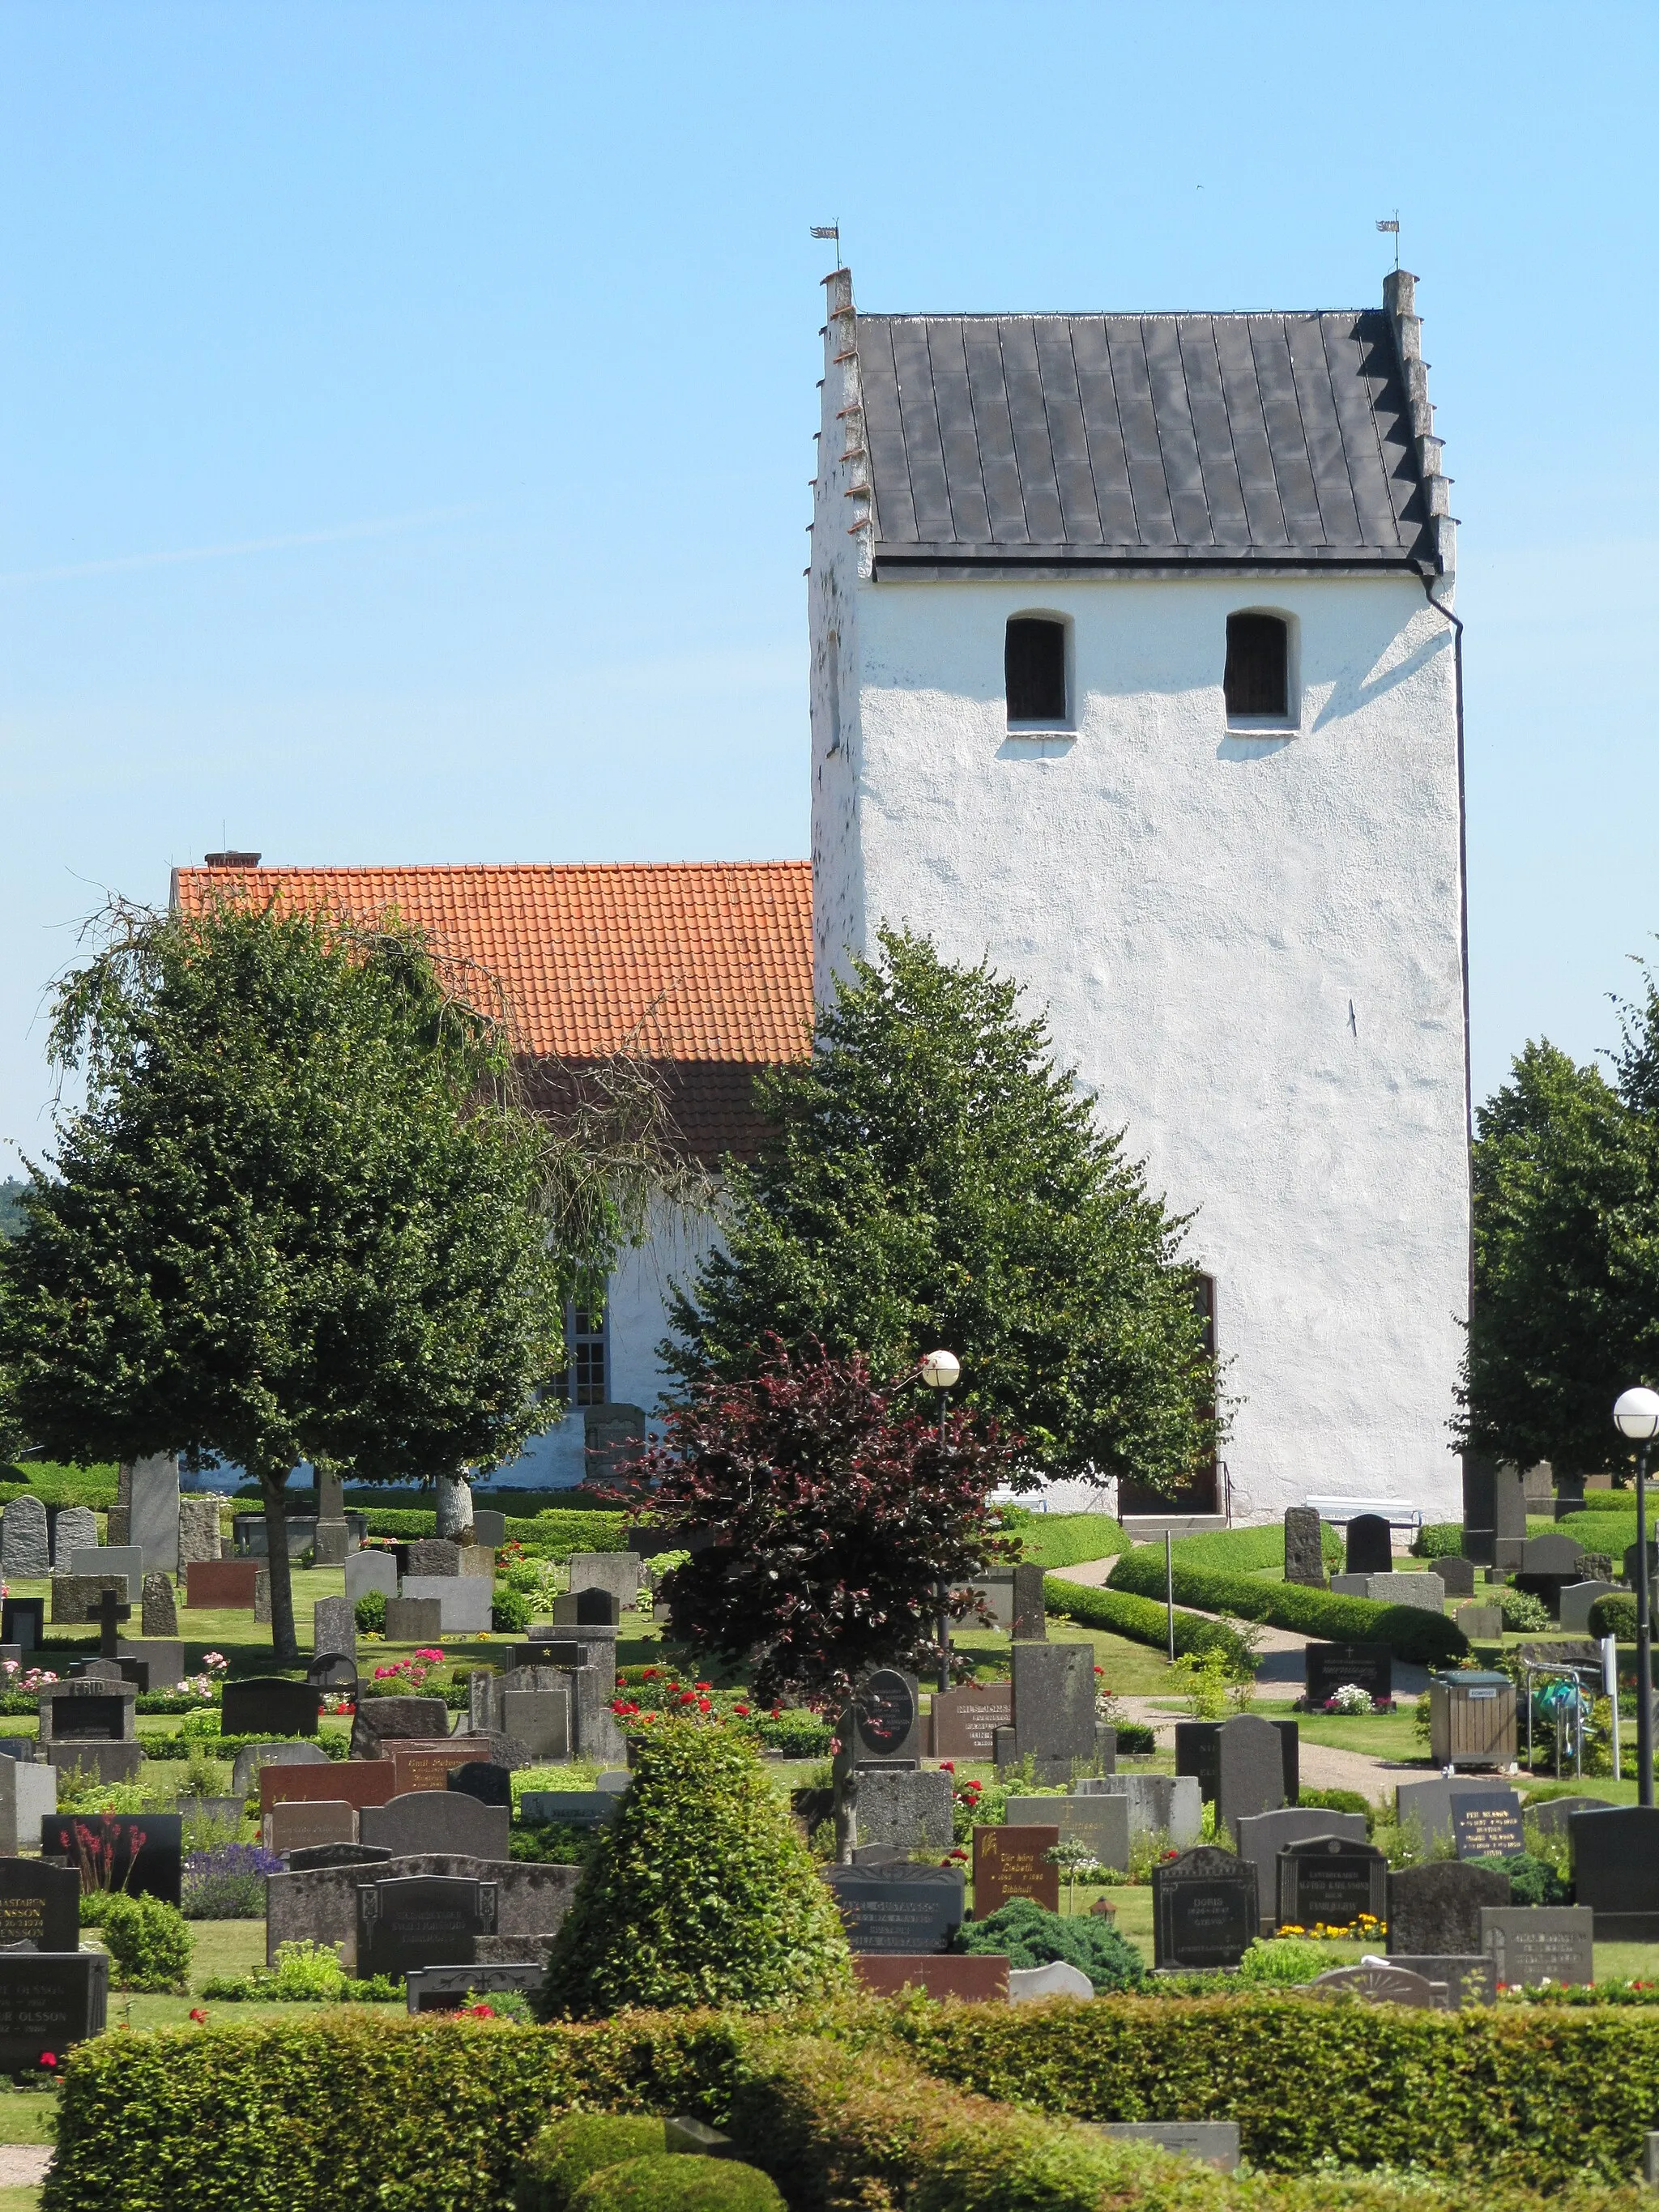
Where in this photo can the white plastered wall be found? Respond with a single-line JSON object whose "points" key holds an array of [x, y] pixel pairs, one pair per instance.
{"points": [[1251, 947]]}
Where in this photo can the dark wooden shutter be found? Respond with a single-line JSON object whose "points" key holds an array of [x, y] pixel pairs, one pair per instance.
{"points": [[1034, 666], [1258, 674]]}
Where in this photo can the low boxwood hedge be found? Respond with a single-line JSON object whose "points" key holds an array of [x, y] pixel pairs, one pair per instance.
{"points": [[1139, 1618], [881, 2103], [1428, 1639]]}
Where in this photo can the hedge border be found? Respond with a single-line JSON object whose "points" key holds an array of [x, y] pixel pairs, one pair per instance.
{"points": [[1426, 1638], [1139, 1619]]}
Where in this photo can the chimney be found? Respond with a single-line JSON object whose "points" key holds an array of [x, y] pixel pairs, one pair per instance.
{"points": [[230, 859]]}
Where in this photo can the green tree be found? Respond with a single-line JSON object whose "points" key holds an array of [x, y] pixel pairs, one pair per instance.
{"points": [[1565, 1307], [936, 1179], [302, 1214]]}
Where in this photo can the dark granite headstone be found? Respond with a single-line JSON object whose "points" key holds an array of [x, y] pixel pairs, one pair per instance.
{"points": [[40, 1904], [1264, 1835], [478, 1777], [1328, 1667], [1615, 1867], [586, 1609], [268, 1706], [49, 2001], [422, 1920], [332, 1670], [1470, 1980], [1197, 1753], [446, 1988], [1494, 1508], [1533, 1943], [1457, 1574], [1435, 1909], [1370, 1546], [1388, 1985], [1204, 1909], [1486, 1822], [1304, 1557], [141, 1853], [90, 1720], [905, 1909], [881, 1725], [24, 1621], [1249, 1769], [1333, 1880]]}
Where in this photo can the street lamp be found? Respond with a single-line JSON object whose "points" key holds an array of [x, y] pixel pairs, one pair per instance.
{"points": [[1637, 1416], [942, 1372]]}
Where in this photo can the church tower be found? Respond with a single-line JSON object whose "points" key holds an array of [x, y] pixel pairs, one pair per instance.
{"points": [[1134, 668]]}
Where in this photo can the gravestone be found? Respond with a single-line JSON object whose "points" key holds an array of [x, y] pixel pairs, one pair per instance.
{"points": [[74, 1597], [302, 1824], [616, 1572], [978, 1978], [1204, 1909], [25, 1544], [1030, 1620], [221, 1585], [573, 1809], [434, 1556], [1100, 1822], [379, 1720], [482, 1779], [463, 1601], [317, 1902], [1197, 1753], [28, 1794], [909, 1910], [253, 1535], [23, 1622], [1388, 1985], [153, 1513], [1249, 1769], [586, 1608], [1577, 1598], [1494, 1508], [139, 1852], [360, 1781], [908, 1808], [1334, 1880], [963, 1722], [477, 1561], [1159, 1804], [540, 1720], [1548, 1566], [1053, 1686], [1328, 1667], [334, 1627], [1630, 1553], [419, 1767], [1370, 1549], [268, 1706], [1423, 1592], [244, 1774], [40, 1904], [105, 1559], [198, 1530], [1457, 1575], [1552, 1814], [444, 1819], [1212, 2142], [1533, 1943], [1304, 1556], [1011, 1863], [1481, 1623], [1058, 1979], [367, 1571], [422, 1920], [489, 1528], [74, 1529], [90, 1710], [881, 1724], [331, 1544], [1262, 1836], [49, 2002], [158, 1610], [1615, 1866], [1484, 1822], [1429, 1802], [1469, 1980], [446, 1988], [1435, 1909], [414, 1620]]}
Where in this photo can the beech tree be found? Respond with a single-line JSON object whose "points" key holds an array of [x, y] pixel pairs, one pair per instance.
{"points": [[935, 1178], [831, 1510], [302, 1215]]}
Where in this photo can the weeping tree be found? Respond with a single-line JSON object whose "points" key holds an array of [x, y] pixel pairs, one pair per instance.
{"points": [[306, 1212]]}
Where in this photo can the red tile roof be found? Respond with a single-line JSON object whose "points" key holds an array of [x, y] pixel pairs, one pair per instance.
{"points": [[704, 965]]}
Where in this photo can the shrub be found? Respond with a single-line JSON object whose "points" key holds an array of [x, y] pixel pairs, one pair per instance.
{"points": [[1438, 1540], [370, 1614], [699, 1892], [671, 2181], [552, 1843], [1033, 1936], [1339, 1801], [796, 1734], [1533, 1881], [571, 2147], [1426, 1638], [1282, 1961], [509, 1612], [149, 1942], [1139, 1619], [229, 1882], [1614, 1616], [305, 1974]]}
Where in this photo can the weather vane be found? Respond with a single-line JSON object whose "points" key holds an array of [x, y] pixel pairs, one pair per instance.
{"points": [[829, 230], [1393, 223]]}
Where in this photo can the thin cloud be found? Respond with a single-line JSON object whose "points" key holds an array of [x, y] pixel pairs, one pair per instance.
{"points": [[132, 561]]}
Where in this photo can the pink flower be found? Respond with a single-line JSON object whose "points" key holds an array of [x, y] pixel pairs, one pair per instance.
{"points": [[433, 1658]]}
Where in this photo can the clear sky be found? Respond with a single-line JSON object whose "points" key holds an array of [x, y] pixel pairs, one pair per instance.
{"points": [[406, 412]]}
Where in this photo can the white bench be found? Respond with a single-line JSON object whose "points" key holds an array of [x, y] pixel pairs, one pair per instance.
{"points": [[1393, 1510]]}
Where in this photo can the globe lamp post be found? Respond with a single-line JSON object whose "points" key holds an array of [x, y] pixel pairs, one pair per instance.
{"points": [[942, 1372], [1637, 1416]]}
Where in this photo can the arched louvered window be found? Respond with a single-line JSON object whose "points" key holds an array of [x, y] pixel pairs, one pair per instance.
{"points": [[1034, 669], [1258, 678]]}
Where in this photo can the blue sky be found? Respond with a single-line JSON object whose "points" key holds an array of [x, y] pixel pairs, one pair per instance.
{"points": [[406, 412]]}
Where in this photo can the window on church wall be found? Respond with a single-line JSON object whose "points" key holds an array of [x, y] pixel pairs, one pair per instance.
{"points": [[585, 1376], [1257, 681], [1034, 669]]}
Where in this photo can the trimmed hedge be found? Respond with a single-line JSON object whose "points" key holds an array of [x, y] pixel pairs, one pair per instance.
{"points": [[1428, 1638], [1614, 1616], [1064, 1540], [1139, 1619], [340, 2108]]}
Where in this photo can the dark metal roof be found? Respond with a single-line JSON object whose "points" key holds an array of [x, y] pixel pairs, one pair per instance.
{"points": [[1023, 443]]}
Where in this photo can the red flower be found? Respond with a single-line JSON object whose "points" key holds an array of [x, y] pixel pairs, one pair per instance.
{"points": [[650, 1675], [197, 2014], [48, 2058], [947, 1766], [480, 2012], [741, 1711], [704, 1706], [687, 1697]]}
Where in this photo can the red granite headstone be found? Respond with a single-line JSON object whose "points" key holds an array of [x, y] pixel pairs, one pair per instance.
{"points": [[1009, 1862]]}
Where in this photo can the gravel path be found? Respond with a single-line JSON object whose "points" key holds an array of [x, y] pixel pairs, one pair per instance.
{"points": [[23, 2166]]}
